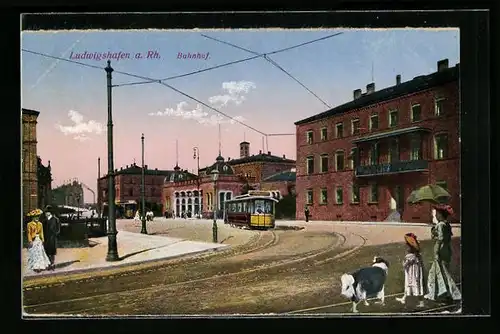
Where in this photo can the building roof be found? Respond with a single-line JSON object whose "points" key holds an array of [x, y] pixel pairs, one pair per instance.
{"points": [[222, 166], [289, 175], [415, 85], [30, 112], [137, 170], [254, 158]]}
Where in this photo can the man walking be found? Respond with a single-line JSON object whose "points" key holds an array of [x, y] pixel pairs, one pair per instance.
{"points": [[52, 228], [306, 213]]}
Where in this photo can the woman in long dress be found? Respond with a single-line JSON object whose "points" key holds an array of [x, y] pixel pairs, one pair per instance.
{"points": [[413, 266], [37, 258], [440, 283]]}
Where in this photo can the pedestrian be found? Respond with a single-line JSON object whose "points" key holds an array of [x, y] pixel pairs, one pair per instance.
{"points": [[52, 230], [306, 213], [440, 283], [37, 258], [413, 266]]}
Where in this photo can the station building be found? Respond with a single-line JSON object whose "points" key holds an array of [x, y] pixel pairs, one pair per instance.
{"points": [[360, 161], [195, 195]]}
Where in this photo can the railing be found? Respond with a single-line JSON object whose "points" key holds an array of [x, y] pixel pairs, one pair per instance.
{"points": [[392, 168]]}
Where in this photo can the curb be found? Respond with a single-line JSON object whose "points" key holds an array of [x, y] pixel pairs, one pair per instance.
{"points": [[29, 279], [303, 223]]}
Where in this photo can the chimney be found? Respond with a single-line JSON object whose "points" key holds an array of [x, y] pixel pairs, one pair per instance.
{"points": [[370, 88], [228, 158], [268, 152], [260, 151], [442, 65], [121, 168], [356, 94], [398, 79], [284, 157], [145, 166]]}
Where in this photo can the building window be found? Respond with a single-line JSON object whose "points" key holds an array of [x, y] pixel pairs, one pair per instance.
{"points": [[339, 195], [324, 134], [354, 161], [355, 194], [415, 148], [374, 122], [393, 150], [355, 127], [373, 193], [393, 118], [439, 106], [309, 135], [324, 163], [309, 196], [131, 192], [323, 196], [339, 161], [339, 130], [441, 146], [416, 113], [310, 165], [373, 158], [442, 184]]}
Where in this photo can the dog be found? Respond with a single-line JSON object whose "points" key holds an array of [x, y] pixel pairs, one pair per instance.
{"points": [[366, 283]]}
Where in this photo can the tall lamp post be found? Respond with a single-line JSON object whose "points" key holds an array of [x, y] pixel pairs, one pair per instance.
{"points": [[112, 244], [143, 211], [215, 177], [196, 155]]}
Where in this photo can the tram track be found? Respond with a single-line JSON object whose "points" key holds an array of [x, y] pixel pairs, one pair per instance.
{"points": [[321, 257]]}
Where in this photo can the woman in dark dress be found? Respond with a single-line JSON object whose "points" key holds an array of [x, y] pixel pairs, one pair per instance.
{"points": [[440, 283]]}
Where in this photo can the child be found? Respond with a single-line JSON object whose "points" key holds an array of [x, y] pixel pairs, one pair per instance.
{"points": [[414, 271]]}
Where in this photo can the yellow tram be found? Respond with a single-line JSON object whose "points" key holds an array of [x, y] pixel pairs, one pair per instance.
{"points": [[254, 210]]}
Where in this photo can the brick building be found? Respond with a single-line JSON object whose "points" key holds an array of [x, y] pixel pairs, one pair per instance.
{"points": [[37, 178], [128, 184], [360, 161], [196, 195], [70, 194]]}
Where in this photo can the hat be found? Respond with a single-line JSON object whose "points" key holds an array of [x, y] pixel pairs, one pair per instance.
{"points": [[35, 213], [444, 207], [411, 239]]}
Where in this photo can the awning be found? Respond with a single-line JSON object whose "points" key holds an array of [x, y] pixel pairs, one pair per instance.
{"points": [[391, 133]]}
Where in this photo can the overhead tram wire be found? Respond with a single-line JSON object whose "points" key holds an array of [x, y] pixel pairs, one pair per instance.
{"points": [[156, 81], [232, 62], [274, 63]]}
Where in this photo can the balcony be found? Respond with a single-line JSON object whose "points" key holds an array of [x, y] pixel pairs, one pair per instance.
{"points": [[393, 168]]}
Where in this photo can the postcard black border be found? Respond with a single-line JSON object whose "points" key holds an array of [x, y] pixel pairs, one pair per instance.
{"points": [[474, 90]]}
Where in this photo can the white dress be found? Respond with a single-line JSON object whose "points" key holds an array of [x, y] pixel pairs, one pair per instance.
{"points": [[414, 275], [37, 258]]}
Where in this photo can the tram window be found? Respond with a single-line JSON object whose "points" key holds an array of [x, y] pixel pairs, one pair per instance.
{"points": [[259, 206], [233, 207], [239, 207], [250, 207], [244, 206], [268, 207]]}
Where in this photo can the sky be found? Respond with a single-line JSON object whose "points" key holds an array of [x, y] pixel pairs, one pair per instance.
{"points": [[72, 99]]}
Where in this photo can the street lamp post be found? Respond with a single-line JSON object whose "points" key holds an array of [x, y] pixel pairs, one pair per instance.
{"points": [[215, 177], [143, 213], [196, 155], [112, 244]]}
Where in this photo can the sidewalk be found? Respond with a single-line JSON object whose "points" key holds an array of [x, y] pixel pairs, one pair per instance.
{"points": [[133, 248], [325, 222]]}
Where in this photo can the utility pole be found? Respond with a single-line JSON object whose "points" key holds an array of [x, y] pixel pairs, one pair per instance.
{"points": [[112, 244], [143, 211]]}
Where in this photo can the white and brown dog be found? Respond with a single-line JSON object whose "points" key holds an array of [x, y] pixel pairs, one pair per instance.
{"points": [[366, 283]]}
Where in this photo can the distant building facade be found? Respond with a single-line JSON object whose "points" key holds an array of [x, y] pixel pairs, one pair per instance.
{"points": [[195, 196], [128, 184], [70, 194], [361, 160]]}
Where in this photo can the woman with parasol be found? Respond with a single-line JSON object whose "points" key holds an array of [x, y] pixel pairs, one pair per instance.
{"points": [[440, 284], [37, 258]]}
